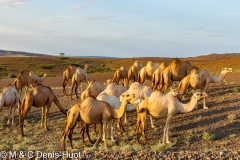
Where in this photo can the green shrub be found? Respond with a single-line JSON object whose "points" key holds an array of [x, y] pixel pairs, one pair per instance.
{"points": [[207, 136], [46, 66], [62, 58], [232, 118], [11, 75], [2, 68]]}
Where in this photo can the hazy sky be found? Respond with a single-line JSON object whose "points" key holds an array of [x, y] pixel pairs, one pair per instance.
{"points": [[121, 28]]}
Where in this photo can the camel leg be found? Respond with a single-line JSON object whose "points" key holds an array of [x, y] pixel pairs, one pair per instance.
{"points": [[11, 115], [70, 137], [204, 104], [23, 111], [87, 131], [125, 118], [71, 91], [46, 114], [112, 131], [166, 128], [76, 90], [143, 119], [104, 135], [120, 125], [64, 137], [99, 135], [152, 125], [63, 86], [137, 127], [43, 116]]}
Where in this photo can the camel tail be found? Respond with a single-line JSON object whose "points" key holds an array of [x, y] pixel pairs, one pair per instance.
{"points": [[57, 103]]}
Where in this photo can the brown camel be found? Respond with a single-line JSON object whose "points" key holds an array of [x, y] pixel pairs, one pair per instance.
{"points": [[176, 71], [121, 74], [73, 116], [40, 96], [93, 111], [147, 71], [156, 77], [10, 98], [67, 75], [201, 79], [133, 71], [163, 105], [93, 89], [22, 81], [79, 77]]}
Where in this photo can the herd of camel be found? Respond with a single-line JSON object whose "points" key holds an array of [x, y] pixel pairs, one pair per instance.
{"points": [[101, 105]]}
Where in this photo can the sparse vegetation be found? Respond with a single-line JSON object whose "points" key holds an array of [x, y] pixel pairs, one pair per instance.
{"points": [[207, 136], [46, 66], [231, 118]]}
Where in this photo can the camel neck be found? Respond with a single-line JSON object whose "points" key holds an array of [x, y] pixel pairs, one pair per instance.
{"points": [[219, 78], [118, 113], [188, 107], [86, 68]]}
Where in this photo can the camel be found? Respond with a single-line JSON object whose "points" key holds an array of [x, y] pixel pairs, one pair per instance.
{"points": [[147, 71], [201, 79], [176, 71], [116, 103], [73, 116], [40, 96], [93, 89], [140, 92], [156, 77], [133, 71], [93, 111], [10, 98], [164, 105], [22, 81], [78, 77], [35, 78], [113, 89], [67, 75], [121, 73]]}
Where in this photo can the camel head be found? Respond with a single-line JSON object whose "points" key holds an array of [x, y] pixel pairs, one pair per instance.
{"points": [[199, 95], [226, 70], [127, 97], [175, 92], [109, 81]]}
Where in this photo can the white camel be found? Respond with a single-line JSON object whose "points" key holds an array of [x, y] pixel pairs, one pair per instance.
{"points": [[35, 78], [113, 89], [161, 105], [10, 98]]}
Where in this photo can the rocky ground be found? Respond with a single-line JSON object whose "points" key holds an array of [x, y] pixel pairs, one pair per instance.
{"points": [[200, 134]]}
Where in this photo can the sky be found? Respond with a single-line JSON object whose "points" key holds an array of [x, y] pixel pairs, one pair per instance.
{"points": [[121, 28]]}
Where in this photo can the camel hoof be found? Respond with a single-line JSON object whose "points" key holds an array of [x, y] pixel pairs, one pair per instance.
{"points": [[168, 142], [153, 126], [205, 107]]}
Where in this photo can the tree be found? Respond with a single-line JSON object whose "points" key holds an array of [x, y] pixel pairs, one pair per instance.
{"points": [[62, 54]]}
